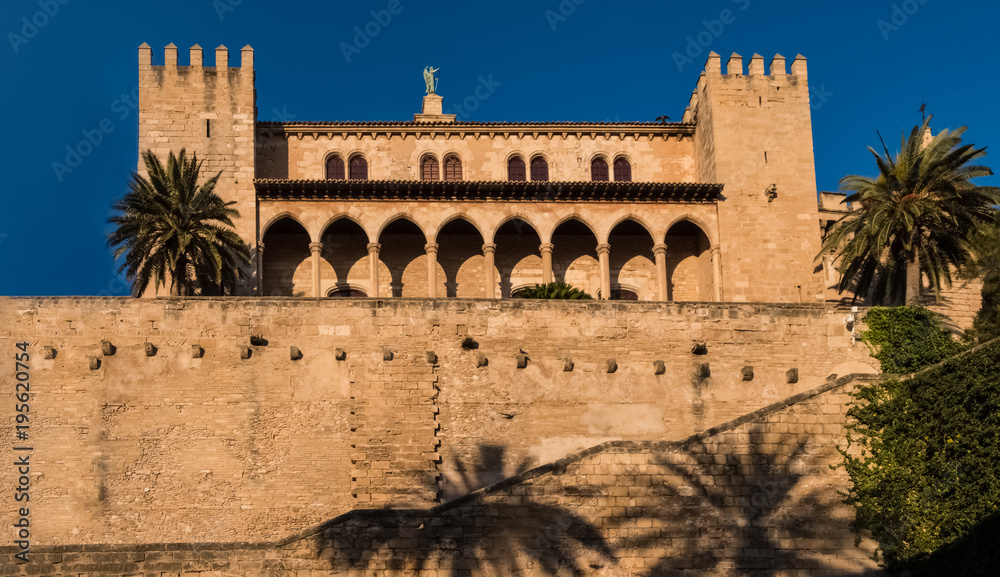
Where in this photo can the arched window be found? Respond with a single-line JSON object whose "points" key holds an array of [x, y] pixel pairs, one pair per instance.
{"points": [[359, 168], [335, 167], [452, 167], [429, 168], [599, 170], [623, 170], [516, 169], [539, 169]]}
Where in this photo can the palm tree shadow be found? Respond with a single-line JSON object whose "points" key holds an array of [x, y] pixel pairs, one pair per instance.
{"points": [[735, 513], [503, 527]]}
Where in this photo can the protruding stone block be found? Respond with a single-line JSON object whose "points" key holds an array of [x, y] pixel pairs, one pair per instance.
{"points": [[481, 360], [735, 65], [49, 353], [340, 354], [95, 363], [170, 56], [294, 353], [258, 341], [432, 358], [792, 376], [522, 361], [197, 352], [747, 373], [387, 354], [568, 365], [612, 366], [150, 349], [699, 348], [778, 65], [108, 349], [659, 367], [245, 353], [469, 344]]}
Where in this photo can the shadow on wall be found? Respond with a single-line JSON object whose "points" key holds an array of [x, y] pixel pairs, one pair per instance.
{"points": [[703, 507]]}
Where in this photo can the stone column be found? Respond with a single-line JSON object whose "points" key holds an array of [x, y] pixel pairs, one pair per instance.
{"points": [[717, 272], [489, 251], [260, 269], [316, 248], [604, 256], [660, 252], [432, 268], [373, 262], [546, 250]]}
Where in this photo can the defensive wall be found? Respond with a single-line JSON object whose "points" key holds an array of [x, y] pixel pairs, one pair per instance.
{"points": [[754, 496], [148, 425]]}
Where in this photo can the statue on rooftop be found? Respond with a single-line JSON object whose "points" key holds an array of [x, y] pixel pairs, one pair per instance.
{"points": [[430, 80]]}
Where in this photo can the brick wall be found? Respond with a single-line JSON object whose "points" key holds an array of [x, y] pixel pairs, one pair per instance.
{"points": [[754, 496], [179, 447]]}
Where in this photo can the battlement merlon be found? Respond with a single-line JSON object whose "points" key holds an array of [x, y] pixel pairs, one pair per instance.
{"points": [[734, 69], [196, 58]]}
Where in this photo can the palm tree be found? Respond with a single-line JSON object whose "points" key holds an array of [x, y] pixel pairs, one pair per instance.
{"points": [[170, 227], [553, 290], [914, 218]]}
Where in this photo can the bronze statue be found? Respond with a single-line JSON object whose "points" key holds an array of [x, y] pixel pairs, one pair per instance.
{"points": [[430, 80]]}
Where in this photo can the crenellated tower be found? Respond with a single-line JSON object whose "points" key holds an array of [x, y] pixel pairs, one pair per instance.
{"points": [[208, 111], [754, 135]]}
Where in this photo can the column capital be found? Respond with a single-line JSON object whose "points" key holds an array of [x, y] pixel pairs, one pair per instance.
{"points": [[660, 249], [374, 247], [546, 247], [489, 247], [431, 247], [260, 247], [716, 250], [315, 247], [603, 248]]}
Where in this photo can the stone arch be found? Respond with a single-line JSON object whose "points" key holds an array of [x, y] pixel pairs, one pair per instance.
{"points": [[281, 216], [526, 220], [461, 263], [631, 262], [518, 258], [344, 261], [700, 223], [690, 274], [453, 216], [403, 258], [286, 269], [574, 254], [399, 216], [572, 216], [606, 234]]}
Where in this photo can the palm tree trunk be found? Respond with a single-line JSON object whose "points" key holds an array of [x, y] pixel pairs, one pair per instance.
{"points": [[913, 277]]}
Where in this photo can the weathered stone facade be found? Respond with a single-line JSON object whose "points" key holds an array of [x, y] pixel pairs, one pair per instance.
{"points": [[719, 207]]}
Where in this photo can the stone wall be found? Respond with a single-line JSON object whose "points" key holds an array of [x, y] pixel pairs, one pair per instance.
{"points": [[754, 496], [195, 443]]}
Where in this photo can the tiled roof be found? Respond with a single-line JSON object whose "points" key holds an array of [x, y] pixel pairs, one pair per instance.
{"points": [[464, 190]]}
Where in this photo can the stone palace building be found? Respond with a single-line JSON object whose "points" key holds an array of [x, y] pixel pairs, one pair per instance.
{"points": [[719, 207]]}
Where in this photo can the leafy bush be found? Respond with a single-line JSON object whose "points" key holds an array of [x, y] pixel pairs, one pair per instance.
{"points": [[553, 290], [907, 339], [923, 456]]}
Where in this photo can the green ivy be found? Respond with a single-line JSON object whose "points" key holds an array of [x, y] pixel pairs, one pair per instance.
{"points": [[923, 456], [907, 339]]}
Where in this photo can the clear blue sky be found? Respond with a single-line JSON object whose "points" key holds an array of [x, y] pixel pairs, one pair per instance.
{"points": [[871, 64]]}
